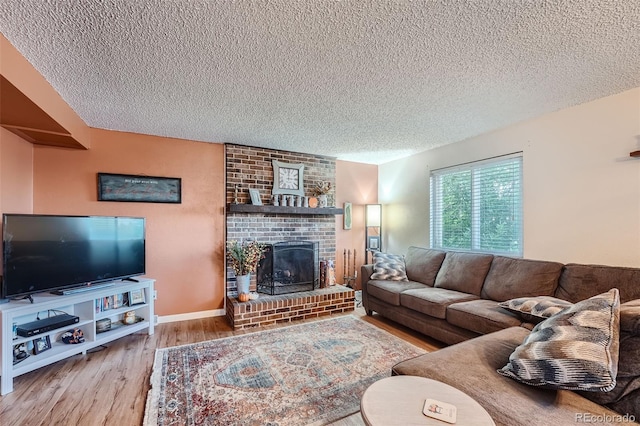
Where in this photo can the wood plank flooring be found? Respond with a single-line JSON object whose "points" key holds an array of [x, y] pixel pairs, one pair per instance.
{"points": [[109, 385]]}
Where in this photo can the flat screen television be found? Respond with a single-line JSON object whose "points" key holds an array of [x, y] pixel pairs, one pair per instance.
{"points": [[46, 253]]}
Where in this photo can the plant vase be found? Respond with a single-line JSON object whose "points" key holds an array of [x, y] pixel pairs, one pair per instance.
{"points": [[242, 283], [322, 200]]}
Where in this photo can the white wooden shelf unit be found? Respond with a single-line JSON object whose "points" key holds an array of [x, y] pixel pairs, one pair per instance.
{"points": [[85, 305]]}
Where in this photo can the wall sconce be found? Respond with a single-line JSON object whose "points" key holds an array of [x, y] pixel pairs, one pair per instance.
{"points": [[373, 229]]}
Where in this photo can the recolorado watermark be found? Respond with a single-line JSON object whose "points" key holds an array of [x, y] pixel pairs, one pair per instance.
{"points": [[604, 418]]}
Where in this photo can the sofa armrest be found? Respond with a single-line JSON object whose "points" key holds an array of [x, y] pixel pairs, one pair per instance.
{"points": [[365, 274]]}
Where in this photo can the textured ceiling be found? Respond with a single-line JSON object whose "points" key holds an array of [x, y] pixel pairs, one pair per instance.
{"points": [[366, 81]]}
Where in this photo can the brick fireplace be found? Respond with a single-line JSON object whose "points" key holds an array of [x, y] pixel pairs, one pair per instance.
{"points": [[252, 168]]}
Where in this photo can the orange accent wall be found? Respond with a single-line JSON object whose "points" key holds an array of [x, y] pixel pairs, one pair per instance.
{"points": [[184, 244], [358, 184], [16, 174]]}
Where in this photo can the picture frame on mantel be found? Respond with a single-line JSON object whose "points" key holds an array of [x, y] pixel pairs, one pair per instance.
{"points": [[255, 197], [288, 178], [139, 188]]}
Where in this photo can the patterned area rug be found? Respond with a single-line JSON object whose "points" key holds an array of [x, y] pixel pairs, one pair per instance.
{"points": [[308, 374]]}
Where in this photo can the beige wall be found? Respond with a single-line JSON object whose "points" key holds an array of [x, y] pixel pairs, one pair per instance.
{"points": [[184, 241], [358, 184], [16, 174], [581, 188]]}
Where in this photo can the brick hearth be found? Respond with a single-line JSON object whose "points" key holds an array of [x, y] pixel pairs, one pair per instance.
{"points": [[283, 308]]}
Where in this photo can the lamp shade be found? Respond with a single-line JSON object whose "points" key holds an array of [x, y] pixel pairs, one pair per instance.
{"points": [[373, 214]]}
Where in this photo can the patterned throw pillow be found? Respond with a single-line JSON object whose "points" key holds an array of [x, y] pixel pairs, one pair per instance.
{"points": [[535, 309], [388, 267], [576, 349]]}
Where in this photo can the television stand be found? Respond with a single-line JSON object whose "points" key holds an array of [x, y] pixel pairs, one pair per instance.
{"points": [[94, 306]]}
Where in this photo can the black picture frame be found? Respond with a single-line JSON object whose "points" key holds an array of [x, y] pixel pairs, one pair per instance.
{"points": [[41, 344], [139, 189], [373, 243]]}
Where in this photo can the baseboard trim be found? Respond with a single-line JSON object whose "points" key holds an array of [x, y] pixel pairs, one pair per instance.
{"points": [[191, 316]]}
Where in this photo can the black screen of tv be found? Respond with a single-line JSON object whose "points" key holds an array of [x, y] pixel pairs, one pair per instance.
{"points": [[45, 253]]}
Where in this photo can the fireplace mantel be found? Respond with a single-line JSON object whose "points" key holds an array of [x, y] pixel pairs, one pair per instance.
{"points": [[250, 208]]}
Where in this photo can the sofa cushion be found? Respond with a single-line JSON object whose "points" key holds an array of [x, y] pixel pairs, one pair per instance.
{"points": [[630, 317], [482, 316], [509, 278], [389, 291], [579, 282], [432, 301], [629, 405], [628, 377], [423, 264], [576, 349], [471, 367], [463, 272], [535, 309], [388, 267]]}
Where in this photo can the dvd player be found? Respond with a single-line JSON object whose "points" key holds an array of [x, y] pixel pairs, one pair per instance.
{"points": [[47, 324]]}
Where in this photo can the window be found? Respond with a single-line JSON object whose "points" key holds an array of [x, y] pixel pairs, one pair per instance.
{"points": [[478, 206]]}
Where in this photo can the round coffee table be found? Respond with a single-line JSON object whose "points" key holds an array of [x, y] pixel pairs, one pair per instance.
{"points": [[399, 400]]}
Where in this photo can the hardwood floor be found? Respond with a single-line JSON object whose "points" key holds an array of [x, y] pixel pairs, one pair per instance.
{"points": [[109, 385]]}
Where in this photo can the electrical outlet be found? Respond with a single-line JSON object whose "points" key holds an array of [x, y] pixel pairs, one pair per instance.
{"points": [[155, 294]]}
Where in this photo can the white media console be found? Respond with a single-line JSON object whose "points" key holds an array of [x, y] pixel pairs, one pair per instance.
{"points": [[90, 306]]}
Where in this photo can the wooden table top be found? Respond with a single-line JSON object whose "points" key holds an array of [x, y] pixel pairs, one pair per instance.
{"points": [[399, 400]]}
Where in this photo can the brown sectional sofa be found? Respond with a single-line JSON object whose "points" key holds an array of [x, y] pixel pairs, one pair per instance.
{"points": [[454, 297]]}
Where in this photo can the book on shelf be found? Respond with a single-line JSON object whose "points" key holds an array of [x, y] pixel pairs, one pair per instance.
{"points": [[111, 302], [118, 301]]}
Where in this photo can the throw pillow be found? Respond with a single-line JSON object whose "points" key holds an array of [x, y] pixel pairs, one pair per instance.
{"points": [[576, 349], [535, 309], [388, 267]]}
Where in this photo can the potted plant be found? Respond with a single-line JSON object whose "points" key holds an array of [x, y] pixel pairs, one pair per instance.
{"points": [[243, 259], [320, 190]]}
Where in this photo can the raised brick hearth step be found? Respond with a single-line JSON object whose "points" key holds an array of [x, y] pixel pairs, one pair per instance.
{"points": [[282, 308]]}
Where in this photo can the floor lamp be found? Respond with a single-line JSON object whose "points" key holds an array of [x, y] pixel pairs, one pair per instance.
{"points": [[373, 229]]}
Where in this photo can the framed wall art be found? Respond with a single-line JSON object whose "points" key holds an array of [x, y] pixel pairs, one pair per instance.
{"points": [[141, 189], [347, 216], [288, 178]]}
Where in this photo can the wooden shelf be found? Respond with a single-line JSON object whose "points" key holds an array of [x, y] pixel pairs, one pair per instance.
{"points": [[635, 154], [250, 208], [21, 116]]}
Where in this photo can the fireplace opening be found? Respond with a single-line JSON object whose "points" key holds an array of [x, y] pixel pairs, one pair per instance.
{"points": [[288, 267]]}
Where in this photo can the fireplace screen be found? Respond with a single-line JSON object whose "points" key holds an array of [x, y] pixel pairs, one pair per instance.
{"points": [[288, 267]]}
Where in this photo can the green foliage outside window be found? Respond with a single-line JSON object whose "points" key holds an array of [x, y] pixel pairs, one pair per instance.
{"points": [[478, 208]]}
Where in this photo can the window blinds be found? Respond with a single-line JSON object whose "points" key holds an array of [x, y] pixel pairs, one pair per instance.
{"points": [[478, 206]]}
